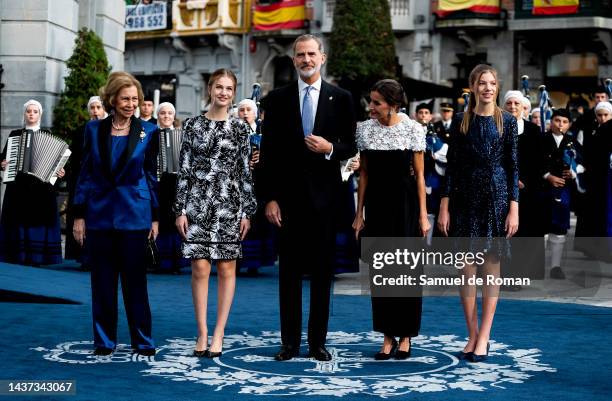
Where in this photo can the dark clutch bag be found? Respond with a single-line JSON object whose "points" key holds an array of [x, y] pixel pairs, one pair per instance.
{"points": [[152, 255]]}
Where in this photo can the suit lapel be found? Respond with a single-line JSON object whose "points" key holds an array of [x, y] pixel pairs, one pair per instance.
{"points": [[322, 106], [104, 145], [294, 95]]}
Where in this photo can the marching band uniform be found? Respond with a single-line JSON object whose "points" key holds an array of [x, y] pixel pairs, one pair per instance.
{"points": [[29, 226], [557, 157]]}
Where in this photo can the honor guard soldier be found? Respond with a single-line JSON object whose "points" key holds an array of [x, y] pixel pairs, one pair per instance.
{"points": [[442, 127]]}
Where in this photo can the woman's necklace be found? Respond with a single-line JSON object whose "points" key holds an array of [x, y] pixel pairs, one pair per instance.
{"points": [[121, 128]]}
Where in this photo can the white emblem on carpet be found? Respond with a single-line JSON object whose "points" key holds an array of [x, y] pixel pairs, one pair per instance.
{"points": [[247, 366]]}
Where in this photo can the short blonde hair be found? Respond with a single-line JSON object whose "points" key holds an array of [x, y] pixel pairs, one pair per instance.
{"points": [[117, 81]]}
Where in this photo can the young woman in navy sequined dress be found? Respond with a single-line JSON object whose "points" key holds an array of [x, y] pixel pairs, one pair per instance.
{"points": [[480, 197]]}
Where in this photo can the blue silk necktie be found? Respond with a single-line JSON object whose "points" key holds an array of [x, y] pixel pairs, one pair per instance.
{"points": [[307, 113]]}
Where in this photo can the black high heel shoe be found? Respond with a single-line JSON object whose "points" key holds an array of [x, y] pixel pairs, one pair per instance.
{"points": [[381, 356], [200, 354], [212, 354], [401, 355], [465, 355], [480, 358]]}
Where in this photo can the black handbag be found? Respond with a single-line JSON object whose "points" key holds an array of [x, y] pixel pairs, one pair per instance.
{"points": [[152, 255]]}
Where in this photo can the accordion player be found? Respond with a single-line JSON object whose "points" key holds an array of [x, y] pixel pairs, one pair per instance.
{"points": [[169, 151], [35, 152]]}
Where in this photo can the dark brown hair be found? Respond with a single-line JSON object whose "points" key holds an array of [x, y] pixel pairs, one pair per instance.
{"points": [[391, 91]]}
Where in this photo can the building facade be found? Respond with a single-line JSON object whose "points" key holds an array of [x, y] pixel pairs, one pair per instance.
{"points": [[435, 50], [36, 40]]}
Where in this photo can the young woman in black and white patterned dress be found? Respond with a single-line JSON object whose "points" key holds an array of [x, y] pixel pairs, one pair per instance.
{"points": [[214, 202]]}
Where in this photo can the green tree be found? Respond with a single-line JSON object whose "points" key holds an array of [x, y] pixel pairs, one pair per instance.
{"points": [[362, 42], [89, 70]]}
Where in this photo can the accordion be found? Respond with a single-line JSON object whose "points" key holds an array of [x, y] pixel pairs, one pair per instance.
{"points": [[169, 151], [37, 153]]}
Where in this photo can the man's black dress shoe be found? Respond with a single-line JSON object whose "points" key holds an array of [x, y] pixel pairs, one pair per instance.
{"points": [[286, 352], [319, 353], [101, 351], [145, 352]]}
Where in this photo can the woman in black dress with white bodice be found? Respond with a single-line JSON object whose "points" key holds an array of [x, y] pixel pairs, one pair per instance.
{"points": [[394, 202]]}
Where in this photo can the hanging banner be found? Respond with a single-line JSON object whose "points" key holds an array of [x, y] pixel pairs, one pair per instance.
{"points": [[555, 7], [286, 14], [446, 7]]}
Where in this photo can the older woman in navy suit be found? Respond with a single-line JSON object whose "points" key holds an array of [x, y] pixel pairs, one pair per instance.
{"points": [[116, 207]]}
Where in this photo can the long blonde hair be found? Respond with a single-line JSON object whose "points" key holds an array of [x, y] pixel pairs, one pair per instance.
{"points": [[469, 114]]}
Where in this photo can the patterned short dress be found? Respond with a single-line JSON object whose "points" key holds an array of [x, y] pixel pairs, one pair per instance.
{"points": [[214, 188]]}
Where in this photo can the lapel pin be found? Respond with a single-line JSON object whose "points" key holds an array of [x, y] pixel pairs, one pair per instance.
{"points": [[331, 98], [142, 136]]}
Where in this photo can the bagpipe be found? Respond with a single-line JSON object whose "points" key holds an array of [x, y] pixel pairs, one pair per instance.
{"points": [[572, 160], [525, 86], [545, 107], [436, 149], [255, 137], [466, 99]]}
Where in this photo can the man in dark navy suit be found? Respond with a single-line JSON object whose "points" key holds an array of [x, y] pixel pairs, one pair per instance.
{"points": [[309, 128]]}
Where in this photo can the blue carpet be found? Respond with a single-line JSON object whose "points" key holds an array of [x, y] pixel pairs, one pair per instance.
{"points": [[541, 350]]}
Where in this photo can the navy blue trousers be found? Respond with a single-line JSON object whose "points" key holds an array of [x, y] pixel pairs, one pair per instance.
{"points": [[114, 255]]}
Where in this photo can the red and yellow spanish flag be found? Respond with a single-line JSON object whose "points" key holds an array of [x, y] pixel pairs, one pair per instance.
{"points": [[285, 14], [553, 7], [446, 7]]}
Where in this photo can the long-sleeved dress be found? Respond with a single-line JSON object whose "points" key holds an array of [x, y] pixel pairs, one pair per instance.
{"points": [[215, 188], [482, 179], [392, 208]]}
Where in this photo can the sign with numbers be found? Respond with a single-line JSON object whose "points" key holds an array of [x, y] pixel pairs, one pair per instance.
{"points": [[146, 17]]}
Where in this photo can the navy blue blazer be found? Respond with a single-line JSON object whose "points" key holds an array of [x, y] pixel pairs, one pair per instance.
{"points": [[126, 199]]}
